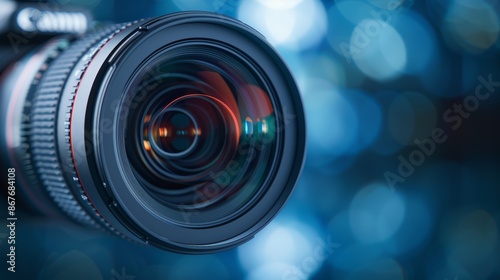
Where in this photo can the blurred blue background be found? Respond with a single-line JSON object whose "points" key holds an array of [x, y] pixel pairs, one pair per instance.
{"points": [[402, 177]]}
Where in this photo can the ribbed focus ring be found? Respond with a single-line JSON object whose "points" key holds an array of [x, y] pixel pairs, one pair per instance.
{"points": [[44, 129]]}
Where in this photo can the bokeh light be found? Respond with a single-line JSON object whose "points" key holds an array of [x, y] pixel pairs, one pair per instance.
{"points": [[314, 70], [375, 214], [289, 246], [473, 26], [369, 119], [332, 122], [283, 23], [415, 229], [211, 6], [353, 10], [378, 50], [420, 42]]}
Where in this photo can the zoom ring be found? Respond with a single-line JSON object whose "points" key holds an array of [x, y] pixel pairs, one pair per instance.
{"points": [[44, 129], [55, 50]]}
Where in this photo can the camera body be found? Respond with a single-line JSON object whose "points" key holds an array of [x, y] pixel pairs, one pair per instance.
{"points": [[185, 132], [25, 25]]}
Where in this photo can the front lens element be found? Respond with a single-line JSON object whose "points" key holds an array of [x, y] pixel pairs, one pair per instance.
{"points": [[205, 130]]}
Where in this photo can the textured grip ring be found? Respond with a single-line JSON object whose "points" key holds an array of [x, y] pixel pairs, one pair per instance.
{"points": [[46, 104]]}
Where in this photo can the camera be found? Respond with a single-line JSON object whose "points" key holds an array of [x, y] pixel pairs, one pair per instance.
{"points": [[185, 132]]}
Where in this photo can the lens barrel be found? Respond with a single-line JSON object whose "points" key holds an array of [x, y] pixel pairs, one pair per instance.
{"points": [[185, 132]]}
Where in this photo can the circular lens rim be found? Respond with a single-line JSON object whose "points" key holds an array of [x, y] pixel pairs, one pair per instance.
{"points": [[97, 92]]}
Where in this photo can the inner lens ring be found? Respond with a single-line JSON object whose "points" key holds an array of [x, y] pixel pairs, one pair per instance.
{"points": [[215, 159], [154, 143], [152, 161], [170, 173], [155, 161]]}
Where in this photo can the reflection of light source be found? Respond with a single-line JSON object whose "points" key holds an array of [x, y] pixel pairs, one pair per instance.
{"points": [[195, 131], [248, 126], [263, 127], [147, 146], [163, 132]]}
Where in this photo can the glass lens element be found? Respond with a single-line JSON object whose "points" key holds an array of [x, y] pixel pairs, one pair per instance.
{"points": [[205, 132]]}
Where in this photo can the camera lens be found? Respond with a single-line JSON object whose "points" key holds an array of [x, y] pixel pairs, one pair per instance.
{"points": [[185, 132]]}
